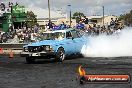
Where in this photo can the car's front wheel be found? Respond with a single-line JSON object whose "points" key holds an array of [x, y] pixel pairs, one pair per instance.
{"points": [[30, 60], [60, 55]]}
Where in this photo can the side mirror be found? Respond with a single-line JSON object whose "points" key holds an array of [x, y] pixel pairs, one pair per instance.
{"points": [[72, 38]]}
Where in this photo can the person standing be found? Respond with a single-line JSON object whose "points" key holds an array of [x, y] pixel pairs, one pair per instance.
{"points": [[112, 23], [80, 25], [86, 20], [62, 26], [50, 25]]}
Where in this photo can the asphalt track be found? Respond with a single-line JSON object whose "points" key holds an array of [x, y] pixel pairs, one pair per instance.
{"points": [[15, 73]]}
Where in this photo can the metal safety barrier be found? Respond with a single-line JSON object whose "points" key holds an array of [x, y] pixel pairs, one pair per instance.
{"points": [[14, 45], [16, 48]]}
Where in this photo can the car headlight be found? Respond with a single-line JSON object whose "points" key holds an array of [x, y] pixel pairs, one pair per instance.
{"points": [[48, 48], [25, 49], [36, 49], [40, 48]]}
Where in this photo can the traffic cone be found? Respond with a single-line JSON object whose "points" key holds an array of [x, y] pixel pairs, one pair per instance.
{"points": [[11, 54], [1, 50]]}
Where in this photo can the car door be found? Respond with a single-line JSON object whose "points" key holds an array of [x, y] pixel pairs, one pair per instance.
{"points": [[77, 40], [69, 44]]}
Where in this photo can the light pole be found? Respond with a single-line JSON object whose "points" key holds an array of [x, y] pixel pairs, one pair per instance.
{"points": [[70, 13], [103, 16], [49, 9]]}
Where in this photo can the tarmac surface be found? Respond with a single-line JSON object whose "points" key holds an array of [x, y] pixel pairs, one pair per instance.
{"points": [[16, 73]]}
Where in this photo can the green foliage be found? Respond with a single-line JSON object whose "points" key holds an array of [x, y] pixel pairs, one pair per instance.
{"points": [[78, 16], [127, 18], [31, 19]]}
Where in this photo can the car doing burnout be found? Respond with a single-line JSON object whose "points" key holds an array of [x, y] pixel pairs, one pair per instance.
{"points": [[55, 45]]}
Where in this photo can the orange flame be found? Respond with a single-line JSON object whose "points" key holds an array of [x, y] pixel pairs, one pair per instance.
{"points": [[81, 71]]}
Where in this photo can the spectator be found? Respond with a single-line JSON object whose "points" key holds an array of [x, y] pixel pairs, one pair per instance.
{"points": [[36, 28], [62, 26], [0, 37], [80, 25], [4, 37], [116, 20], [112, 22], [11, 29], [16, 4], [86, 20], [55, 27], [50, 26]]}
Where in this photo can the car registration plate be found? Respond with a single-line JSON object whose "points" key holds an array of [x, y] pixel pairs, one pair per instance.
{"points": [[34, 54]]}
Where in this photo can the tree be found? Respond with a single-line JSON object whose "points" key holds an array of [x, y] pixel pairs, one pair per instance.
{"points": [[31, 19], [78, 16], [127, 18]]}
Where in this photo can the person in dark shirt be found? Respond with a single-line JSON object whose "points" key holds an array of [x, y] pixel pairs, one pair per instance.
{"points": [[63, 25], [80, 25], [50, 24], [112, 22], [55, 27], [2, 6], [86, 20]]}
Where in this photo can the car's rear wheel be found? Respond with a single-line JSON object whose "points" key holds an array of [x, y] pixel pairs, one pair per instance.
{"points": [[30, 60], [60, 55]]}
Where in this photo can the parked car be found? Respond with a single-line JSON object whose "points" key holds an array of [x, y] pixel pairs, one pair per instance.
{"points": [[55, 45]]}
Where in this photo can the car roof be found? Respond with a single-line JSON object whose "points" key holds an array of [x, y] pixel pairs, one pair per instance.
{"points": [[48, 32], [65, 30]]}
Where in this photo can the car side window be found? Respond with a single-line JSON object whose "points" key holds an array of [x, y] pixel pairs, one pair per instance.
{"points": [[68, 35], [75, 34], [79, 34]]}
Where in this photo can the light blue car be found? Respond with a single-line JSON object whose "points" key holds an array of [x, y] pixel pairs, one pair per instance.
{"points": [[55, 45]]}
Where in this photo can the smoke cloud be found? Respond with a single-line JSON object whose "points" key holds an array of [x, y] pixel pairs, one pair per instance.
{"points": [[109, 46]]}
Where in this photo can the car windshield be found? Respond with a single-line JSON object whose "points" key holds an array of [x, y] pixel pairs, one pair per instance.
{"points": [[51, 36]]}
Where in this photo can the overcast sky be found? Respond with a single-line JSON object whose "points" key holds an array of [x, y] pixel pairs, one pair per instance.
{"points": [[88, 7]]}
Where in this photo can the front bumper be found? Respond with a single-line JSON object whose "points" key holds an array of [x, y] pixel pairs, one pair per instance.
{"points": [[38, 54]]}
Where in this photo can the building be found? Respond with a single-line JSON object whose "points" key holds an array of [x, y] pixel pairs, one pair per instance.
{"points": [[43, 15], [12, 16], [56, 21], [98, 20]]}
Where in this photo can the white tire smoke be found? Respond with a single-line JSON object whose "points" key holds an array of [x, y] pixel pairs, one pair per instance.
{"points": [[115, 45]]}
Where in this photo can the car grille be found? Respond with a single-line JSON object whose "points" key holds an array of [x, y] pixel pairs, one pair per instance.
{"points": [[34, 49]]}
